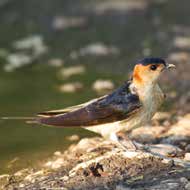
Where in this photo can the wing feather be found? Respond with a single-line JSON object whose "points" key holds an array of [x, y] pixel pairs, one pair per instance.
{"points": [[114, 107], [66, 110]]}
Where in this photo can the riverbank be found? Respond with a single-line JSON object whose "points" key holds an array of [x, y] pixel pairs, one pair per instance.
{"points": [[94, 163]]}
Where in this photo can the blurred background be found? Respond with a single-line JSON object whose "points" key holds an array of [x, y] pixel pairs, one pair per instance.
{"points": [[61, 53]]}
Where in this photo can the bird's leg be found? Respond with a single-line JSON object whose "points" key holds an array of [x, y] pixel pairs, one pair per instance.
{"points": [[126, 141], [123, 141]]}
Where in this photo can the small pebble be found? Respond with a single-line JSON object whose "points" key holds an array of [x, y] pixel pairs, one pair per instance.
{"points": [[65, 178], [62, 22], [182, 42], [165, 149], [162, 115], [187, 148], [57, 153], [179, 57], [183, 180], [187, 156], [71, 87], [73, 138], [102, 85], [56, 62], [71, 71], [95, 49], [187, 187]]}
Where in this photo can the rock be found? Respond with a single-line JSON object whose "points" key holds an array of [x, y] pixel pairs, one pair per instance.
{"points": [[166, 185], [4, 179], [178, 133], [30, 48], [96, 49], [22, 172], [187, 187], [31, 178], [102, 86], [162, 116], [187, 156], [179, 57], [183, 180], [62, 22], [147, 134], [34, 43], [176, 140], [118, 6], [73, 138], [182, 42], [54, 164], [71, 71], [57, 153], [71, 87], [17, 60], [121, 187], [166, 150], [99, 164], [56, 62]]}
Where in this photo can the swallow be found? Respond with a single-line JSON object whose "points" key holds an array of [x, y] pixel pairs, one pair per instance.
{"points": [[128, 107]]}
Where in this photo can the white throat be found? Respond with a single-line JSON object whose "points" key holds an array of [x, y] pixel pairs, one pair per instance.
{"points": [[144, 92]]}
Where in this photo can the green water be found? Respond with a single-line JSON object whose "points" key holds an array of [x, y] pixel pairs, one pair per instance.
{"points": [[34, 88], [29, 91]]}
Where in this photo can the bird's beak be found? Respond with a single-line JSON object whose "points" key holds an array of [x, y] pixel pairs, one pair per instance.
{"points": [[169, 65]]}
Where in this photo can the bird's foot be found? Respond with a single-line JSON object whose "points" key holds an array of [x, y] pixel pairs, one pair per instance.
{"points": [[125, 143]]}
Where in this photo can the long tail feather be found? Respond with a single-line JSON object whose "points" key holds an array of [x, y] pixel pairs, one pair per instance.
{"points": [[17, 118], [28, 120]]}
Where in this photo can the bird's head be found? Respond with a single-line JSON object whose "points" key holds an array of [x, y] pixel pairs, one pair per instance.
{"points": [[148, 70]]}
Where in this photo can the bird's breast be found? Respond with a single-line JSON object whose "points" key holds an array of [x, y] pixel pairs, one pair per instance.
{"points": [[150, 104], [152, 100]]}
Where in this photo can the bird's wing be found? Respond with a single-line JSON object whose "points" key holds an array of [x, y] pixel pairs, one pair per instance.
{"points": [[114, 107], [65, 110]]}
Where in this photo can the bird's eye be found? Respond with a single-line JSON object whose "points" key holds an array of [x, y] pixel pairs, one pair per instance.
{"points": [[153, 67]]}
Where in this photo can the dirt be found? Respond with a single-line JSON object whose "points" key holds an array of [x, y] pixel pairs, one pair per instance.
{"points": [[98, 164]]}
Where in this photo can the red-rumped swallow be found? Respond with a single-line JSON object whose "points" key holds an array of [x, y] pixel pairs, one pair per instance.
{"points": [[130, 106]]}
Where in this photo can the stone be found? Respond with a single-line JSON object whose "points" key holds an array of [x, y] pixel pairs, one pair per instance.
{"points": [[62, 22], [179, 57], [98, 164], [162, 115], [95, 49], [71, 87], [183, 180], [187, 187], [147, 134], [187, 156], [73, 138], [182, 42], [4, 180], [57, 153], [56, 62], [178, 133], [102, 85], [71, 71], [165, 149]]}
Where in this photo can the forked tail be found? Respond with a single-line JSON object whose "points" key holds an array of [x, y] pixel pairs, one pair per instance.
{"points": [[26, 119]]}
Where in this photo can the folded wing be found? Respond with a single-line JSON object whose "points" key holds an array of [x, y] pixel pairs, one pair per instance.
{"points": [[114, 107]]}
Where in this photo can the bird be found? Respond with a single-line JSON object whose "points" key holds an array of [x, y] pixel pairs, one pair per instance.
{"points": [[131, 105]]}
